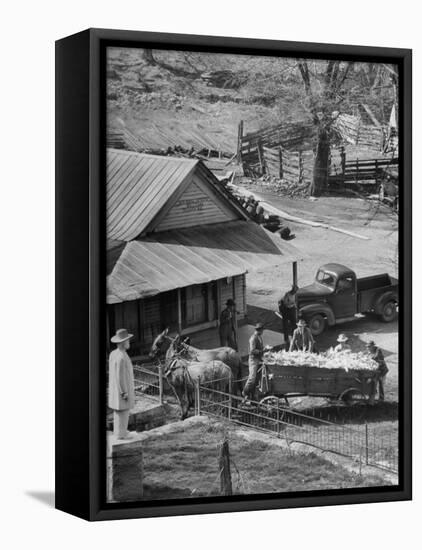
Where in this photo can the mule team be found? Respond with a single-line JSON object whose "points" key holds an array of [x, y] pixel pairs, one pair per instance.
{"points": [[187, 366]]}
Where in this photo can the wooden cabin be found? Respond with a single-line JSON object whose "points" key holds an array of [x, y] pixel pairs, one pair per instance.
{"points": [[178, 247]]}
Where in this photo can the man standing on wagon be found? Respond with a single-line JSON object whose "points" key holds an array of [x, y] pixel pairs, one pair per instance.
{"points": [[302, 339], [376, 355], [256, 353], [121, 386], [227, 328]]}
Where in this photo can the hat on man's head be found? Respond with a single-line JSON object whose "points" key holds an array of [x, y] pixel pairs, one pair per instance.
{"points": [[230, 302], [370, 344], [259, 326], [301, 323], [342, 338], [121, 336]]}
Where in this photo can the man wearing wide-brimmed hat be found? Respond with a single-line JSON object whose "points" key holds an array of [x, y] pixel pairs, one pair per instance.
{"points": [[256, 353], [302, 339], [376, 355], [121, 387], [287, 310], [227, 327], [342, 345]]}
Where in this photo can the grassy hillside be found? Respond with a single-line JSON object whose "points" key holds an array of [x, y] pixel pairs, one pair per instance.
{"points": [[180, 90]]}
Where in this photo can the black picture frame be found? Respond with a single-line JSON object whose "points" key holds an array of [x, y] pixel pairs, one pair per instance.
{"points": [[80, 279]]}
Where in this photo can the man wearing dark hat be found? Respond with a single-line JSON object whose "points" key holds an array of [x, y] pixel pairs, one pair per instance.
{"points": [[376, 355], [121, 387], [256, 353], [288, 312], [227, 328], [302, 339]]}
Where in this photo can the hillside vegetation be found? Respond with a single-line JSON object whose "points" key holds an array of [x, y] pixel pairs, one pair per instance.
{"points": [[213, 92]]}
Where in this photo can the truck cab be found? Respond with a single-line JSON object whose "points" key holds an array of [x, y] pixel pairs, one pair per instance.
{"points": [[337, 296]]}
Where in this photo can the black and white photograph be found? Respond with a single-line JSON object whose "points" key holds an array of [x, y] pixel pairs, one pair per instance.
{"points": [[252, 291]]}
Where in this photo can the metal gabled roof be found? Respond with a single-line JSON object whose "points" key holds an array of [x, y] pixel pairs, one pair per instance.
{"points": [[179, 258], [138, 186]]}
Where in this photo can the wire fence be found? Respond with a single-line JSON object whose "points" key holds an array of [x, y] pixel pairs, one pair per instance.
{"points": [[374, 444], [371, 445], [149, 382]]}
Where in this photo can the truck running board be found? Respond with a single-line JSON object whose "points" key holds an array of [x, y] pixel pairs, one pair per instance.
{"points": [[347, 319]]}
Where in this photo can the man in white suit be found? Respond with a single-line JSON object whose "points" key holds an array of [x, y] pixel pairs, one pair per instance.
{"points": [[121, 387]]}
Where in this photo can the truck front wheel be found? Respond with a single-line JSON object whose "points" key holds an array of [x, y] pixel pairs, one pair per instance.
{"points": [[389, 312], [317, 324]]}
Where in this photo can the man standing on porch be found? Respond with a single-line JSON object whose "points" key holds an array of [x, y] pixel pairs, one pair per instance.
{"points": [[227, 328], [121, 387]]}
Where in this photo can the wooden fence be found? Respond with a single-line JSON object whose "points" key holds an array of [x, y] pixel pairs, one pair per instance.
{"points": [[261, 148], [294, 167], [351, 130], [358, 172]]}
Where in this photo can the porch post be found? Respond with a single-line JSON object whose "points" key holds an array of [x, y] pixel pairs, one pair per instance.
{"points": [[295, 273], [179, 311]]}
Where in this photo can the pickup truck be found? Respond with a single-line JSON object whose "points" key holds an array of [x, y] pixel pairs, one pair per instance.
{"points": [[337, 296]]}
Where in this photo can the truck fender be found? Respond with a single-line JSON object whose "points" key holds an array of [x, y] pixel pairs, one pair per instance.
{"points": [[385, 297], [323, 309]]}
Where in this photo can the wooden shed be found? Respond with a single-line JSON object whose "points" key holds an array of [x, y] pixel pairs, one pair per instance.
{"points": [[178, 246]]}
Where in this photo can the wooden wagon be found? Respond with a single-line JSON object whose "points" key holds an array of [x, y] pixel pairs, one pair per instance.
{"points": [[283, 381]]}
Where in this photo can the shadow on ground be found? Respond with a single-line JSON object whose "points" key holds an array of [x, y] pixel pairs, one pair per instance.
{"points": [[45, 497], [355, 414], [258, 314]]}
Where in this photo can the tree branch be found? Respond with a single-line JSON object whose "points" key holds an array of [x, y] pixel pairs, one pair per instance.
{"points": [[344, 75]]}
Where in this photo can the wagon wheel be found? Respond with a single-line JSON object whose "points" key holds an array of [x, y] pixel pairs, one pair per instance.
{"points": [[274, 401], [271, 404], [353, 395]]}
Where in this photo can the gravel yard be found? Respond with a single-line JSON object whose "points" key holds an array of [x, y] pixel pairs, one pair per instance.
{"points": [[376, 255]]}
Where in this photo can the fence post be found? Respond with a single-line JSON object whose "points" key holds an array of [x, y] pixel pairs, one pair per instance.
{"points": [[198, 398], [261, 157], [366, 444], [280, 153], [160, 383], [230, 405], [343, 164], [224, 469], [239, 141], [300, 167], [278, 419]]}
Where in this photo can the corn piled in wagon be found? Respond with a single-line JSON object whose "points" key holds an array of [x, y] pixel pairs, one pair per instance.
{"points": [[344, 360]]}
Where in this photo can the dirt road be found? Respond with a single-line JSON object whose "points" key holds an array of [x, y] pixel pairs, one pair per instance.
{"points": [[319, 246]]}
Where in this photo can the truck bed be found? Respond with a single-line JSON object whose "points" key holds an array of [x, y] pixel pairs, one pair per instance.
{"points": [[369, 288], [373, 282]]}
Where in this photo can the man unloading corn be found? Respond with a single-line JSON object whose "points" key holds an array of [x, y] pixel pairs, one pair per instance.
{"points": [[302, 339]]}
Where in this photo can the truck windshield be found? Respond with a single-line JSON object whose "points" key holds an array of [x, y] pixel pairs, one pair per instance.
{"points": [[326, 279]]}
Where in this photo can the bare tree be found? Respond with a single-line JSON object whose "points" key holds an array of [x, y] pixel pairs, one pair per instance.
{"points": [[324, 92], [151, 59]]}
